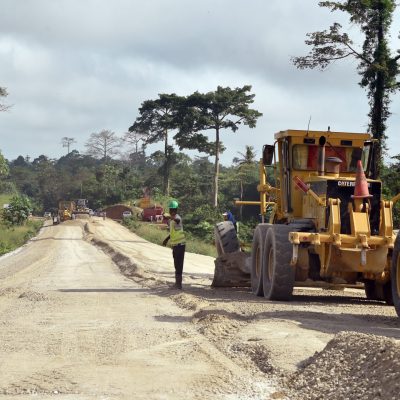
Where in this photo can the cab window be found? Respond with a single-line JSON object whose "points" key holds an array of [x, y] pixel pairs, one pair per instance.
{"points": [[305, 157]]}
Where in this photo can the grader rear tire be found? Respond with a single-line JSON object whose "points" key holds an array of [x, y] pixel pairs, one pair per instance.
{"points": [[395, 275], [278, 274], [226, 240], [257, 250]]}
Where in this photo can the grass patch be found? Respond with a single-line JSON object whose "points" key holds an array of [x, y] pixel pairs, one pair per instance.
{"points": [[156, 234], [15, 236], [4, 199]]}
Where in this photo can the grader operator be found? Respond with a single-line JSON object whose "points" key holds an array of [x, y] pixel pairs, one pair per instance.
{"points": [[324, 222]]}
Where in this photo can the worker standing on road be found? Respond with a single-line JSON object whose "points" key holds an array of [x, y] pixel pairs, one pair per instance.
{"points": [[176, 238]]}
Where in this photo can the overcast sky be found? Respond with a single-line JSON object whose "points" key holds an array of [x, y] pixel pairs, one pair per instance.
{"points": [[73, 67]]}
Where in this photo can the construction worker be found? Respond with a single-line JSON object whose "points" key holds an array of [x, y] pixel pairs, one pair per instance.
{"points": [[176, 238], [228, 216]]}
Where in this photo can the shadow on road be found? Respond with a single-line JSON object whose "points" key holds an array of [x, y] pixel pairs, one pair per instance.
{"points": [[126, 241], [173, 318], [104, 290]]}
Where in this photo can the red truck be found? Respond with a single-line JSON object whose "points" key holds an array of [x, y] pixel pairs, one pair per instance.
{"points": [[153, 214]]}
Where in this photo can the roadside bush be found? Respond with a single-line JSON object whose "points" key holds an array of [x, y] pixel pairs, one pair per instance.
{"points": [[18, 210], [201, 222], [246, 230], [4, 248], [131, 222]]}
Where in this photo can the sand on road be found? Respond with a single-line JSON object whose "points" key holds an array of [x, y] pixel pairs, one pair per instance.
{"points": [[72, 325]]}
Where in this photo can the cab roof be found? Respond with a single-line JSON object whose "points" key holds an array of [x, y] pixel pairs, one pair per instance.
{"points": [[317, 134]]}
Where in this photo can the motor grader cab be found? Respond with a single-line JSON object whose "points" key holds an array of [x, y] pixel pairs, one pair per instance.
{"points": [[323, 221]]}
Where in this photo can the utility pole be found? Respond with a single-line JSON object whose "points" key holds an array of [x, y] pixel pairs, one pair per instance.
{"points": [[67, 141]]}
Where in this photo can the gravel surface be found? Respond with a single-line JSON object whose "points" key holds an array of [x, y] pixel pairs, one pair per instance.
{"points": [[77, 326], [352, 366], [325, 344]]}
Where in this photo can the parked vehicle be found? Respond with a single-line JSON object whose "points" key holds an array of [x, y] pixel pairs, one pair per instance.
{"points": [[126, 214]]}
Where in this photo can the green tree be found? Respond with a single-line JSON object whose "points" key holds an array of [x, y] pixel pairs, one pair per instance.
{"points": [[222, 109], [18, 210], [377, 67], [48, 182], [157, 118], [246, 165], [248, 157], [4, 170]]}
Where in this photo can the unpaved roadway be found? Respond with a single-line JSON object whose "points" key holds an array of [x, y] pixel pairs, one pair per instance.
{"points": [[86, 313]]}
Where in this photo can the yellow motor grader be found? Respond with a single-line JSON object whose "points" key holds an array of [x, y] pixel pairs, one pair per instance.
{"points": [[65, 210], [324, 221]]}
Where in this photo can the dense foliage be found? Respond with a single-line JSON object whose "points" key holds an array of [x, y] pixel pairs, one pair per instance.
{"points": [[104, 182], [18, 210]]}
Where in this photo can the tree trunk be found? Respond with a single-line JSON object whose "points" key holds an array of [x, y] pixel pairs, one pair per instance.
{"points": [[166, 166], [377, 114], [105, 149], [241, 198], [216, 169]]}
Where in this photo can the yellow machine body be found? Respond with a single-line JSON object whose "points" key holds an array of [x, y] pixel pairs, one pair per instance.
{"points": [[314, 174]]}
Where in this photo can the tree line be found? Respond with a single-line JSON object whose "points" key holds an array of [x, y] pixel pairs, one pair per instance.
{"points": [[110, 181]]}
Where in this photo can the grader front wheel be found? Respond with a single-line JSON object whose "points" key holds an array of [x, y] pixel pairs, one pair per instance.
{"points": [[395, 275], [278, 274], [257, 251]]}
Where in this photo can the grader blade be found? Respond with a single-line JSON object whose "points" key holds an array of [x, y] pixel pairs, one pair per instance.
{"points": [[232, 270]]}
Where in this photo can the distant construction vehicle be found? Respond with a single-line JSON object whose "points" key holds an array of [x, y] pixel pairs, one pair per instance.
{"points": [[81, 207], [65, 210], [323, 222], [153, 214]]}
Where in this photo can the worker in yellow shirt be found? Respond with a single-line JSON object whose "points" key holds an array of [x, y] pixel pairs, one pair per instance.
{"points": [[176, 238]]}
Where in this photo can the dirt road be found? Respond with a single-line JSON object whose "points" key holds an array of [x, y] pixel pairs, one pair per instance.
{"points": [[76, 325]]}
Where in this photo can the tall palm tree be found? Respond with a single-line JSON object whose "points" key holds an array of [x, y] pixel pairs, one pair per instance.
{"points": [[248, 158]]}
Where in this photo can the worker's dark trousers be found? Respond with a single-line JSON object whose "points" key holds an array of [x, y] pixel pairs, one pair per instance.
{"points": [[178, 253]]}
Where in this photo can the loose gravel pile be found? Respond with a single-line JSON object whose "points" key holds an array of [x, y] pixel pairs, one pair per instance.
{"points": [[352, 366]]}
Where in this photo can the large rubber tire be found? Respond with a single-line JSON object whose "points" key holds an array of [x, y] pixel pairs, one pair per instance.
{"points": [[226, 240], [369, 287], [395, 275], [278, 274], [378, 291], [257, 250]]}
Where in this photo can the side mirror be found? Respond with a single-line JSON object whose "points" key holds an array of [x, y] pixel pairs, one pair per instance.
{"points": [[268, 154]]}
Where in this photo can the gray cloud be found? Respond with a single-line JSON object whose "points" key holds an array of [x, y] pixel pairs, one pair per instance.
{"points": [[73, 67]]}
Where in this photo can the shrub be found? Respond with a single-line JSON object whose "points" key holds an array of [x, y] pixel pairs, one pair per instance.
{"points": [[18, 210], [201, 222]]}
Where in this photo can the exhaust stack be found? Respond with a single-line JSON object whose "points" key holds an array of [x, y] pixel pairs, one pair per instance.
{"points": [[321, 156]]}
